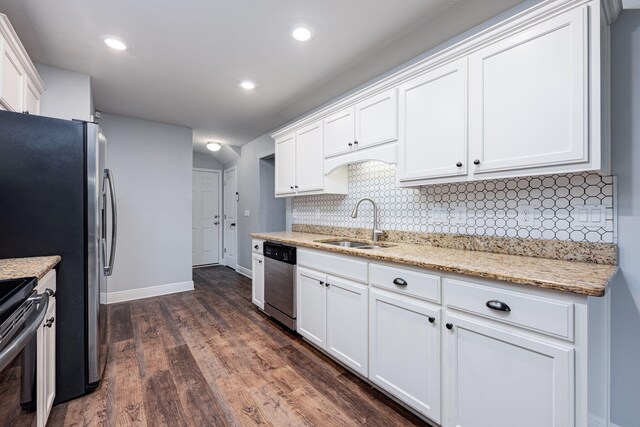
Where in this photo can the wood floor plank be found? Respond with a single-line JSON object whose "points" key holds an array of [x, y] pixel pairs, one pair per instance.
{"points": [[209, 357]]}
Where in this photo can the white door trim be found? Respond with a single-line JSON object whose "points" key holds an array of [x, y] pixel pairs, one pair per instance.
{"points": [[220, 201], [224, 212]]}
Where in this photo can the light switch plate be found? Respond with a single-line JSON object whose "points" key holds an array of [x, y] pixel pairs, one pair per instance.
{"points": [[591, 216], [526, 216], [439, 214], [247, 212]]}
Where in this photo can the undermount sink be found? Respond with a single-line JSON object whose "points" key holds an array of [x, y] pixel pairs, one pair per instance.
{"points": [[354, 244]]}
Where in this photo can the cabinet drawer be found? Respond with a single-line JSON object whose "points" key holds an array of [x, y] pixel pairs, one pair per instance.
{"points": [[337, 265], [552, 317], [47, 282], [414, 283], [256, 246]]}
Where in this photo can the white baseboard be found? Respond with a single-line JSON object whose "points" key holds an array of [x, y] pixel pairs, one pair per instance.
{"points": [[151, 291], [244, 271]]}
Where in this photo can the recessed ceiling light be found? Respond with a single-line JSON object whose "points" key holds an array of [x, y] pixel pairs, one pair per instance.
{"points": [[301, 32], [115, 43], [213, 146], [247, 84]]}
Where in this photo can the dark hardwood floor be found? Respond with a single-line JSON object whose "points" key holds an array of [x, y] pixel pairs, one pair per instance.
{"points": [[210, 358]]}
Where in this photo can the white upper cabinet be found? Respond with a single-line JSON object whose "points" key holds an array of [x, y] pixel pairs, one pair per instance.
{"points": [[433, 124], [376, 120], [286, 165], [309, 160], [529, 97], [20, 83], [339, 132]]}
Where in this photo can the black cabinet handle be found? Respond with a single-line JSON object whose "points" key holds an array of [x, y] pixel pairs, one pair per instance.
{"points": [[476, 162], [494, 304], [291, 187], [256, 247], [233, 224], [400, 282], [355, 142], [350, 144], [459, 164], [259, 262], [432, 319], [327, 284], [449, 326], [322, 283], [49, 322], [296, 186]]}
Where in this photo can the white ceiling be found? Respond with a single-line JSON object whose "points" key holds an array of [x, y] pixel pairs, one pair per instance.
{"points": [[186, 58]]}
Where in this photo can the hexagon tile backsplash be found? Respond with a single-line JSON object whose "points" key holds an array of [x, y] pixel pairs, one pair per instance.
{"points": [[489, 208]]}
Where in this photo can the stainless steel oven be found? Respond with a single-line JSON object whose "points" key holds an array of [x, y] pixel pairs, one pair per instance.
{"points": [[280, 283], [22, 312]]}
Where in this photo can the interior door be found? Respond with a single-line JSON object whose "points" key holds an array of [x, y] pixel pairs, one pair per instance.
{"points": [[206, 217], [230, 217]]}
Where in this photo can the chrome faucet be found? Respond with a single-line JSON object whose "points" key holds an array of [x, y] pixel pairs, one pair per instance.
{"points": [[375, 233]]}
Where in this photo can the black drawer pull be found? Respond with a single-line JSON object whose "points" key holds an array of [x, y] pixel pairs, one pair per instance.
{"points": [[400, 282], [256, 247], [498, 305], [432, 319], [449, 326]]}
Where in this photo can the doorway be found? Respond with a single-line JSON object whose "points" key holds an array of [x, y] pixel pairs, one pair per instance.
{"points": [[206, 222], [231, 217]]}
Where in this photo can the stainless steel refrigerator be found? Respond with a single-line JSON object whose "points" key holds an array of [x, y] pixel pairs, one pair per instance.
{"points": [[57, 198]]}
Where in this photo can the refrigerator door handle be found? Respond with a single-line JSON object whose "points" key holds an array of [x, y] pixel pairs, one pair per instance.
{"points": [[108, 268]]}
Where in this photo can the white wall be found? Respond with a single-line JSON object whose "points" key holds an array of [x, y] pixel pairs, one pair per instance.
{"points": [[625, 113], [152, 166], [205, 161], [249, 191], [68, 95]]}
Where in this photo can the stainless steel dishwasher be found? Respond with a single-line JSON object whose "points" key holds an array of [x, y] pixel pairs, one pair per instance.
{"points": [[280, 283]]}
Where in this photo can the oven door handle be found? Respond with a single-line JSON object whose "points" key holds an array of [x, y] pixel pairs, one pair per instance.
{"points": [[30, 328]]}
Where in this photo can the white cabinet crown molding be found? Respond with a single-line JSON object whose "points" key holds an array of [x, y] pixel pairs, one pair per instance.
{"points": [[11, 38], [535, 14]]}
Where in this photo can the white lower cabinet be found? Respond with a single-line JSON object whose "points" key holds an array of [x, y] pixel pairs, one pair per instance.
{"points": [[257, 281], [46, 353], [312, 306], [332, 314], [404, 350], [497, 378]]}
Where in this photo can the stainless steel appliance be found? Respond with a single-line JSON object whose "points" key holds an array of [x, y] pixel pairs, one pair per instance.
{"points": [[22, 312], [58, 199], [280, 283]]}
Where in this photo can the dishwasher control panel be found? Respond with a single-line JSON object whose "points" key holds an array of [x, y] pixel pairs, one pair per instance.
{"points": [[280, 252]]}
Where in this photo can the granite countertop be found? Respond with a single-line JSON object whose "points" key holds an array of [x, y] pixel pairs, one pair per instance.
{"points": [[15, 268], [567, 276]]}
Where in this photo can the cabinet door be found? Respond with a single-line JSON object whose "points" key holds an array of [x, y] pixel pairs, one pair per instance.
{"points": [[31, 98], [404, 350], [347, 317], [377, 119], [46, 365], [257, 281], [496, 378], [433, 124], [286, 165], [339, 132], [528, 97], [12, 81], [312, 306], [309, 159]]}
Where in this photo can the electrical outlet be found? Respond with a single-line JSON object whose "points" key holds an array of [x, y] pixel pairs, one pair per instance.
{"points": [[526, 215], [439, 214], [591, 216], [459, 215], [247, 212]]}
